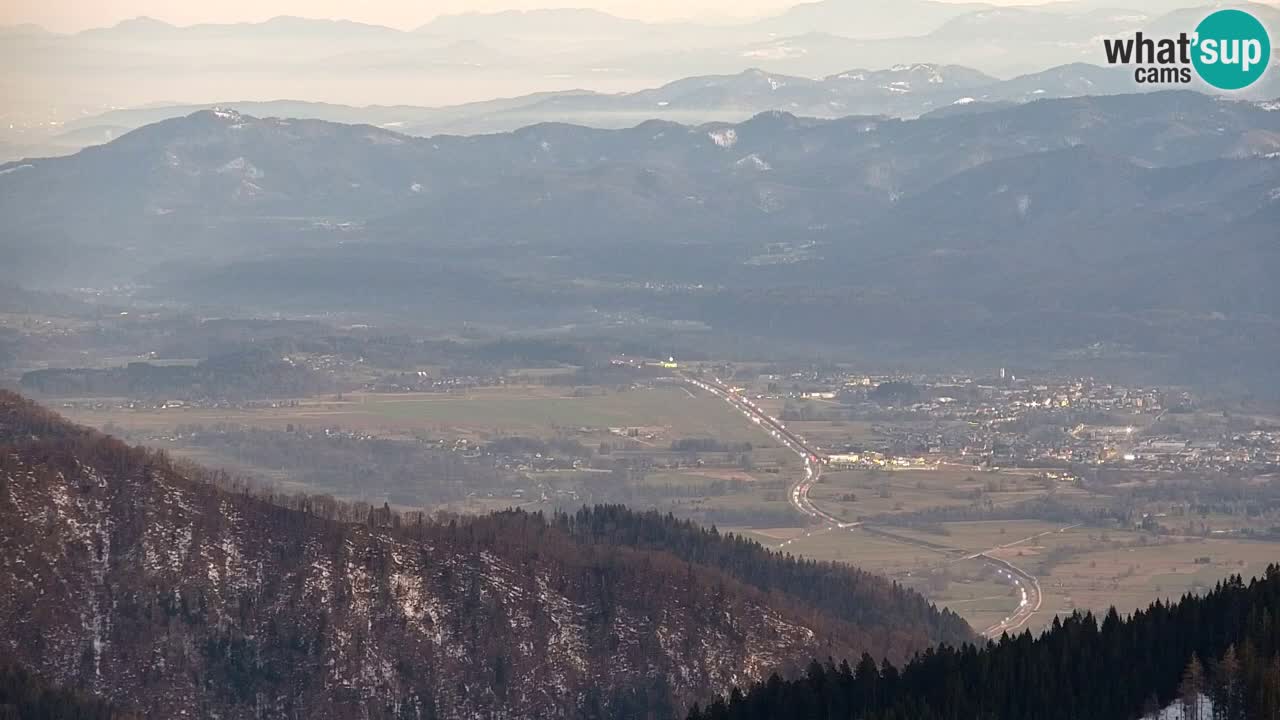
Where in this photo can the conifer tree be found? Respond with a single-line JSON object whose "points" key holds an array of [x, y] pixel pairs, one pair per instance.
{"points": [[1191, 689], [1227, 700]]}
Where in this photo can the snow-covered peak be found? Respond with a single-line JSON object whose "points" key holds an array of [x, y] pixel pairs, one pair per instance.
{"points": [[226, 114], [929, 71], [725, 138]]}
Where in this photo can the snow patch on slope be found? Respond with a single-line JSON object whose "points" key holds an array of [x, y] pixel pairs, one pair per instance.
{"points": [[754, 161], [243, 167]]}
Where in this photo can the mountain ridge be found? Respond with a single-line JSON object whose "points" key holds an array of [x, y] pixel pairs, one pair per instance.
{"points": [[505, 56], [288, 214], [904, 90]]}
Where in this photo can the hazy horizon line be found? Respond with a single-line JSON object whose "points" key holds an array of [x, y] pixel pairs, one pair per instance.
{"points": [[729, 15]]}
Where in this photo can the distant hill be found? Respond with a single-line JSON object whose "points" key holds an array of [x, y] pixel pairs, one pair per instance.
{"points": [[965, 228], [128, 576], [1128, 233], [231, 165], [1002, 40], [901, 91], [870, 19], [551, 22]]}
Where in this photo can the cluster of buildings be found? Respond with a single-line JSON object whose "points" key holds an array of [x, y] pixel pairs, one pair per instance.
{"points": [[1006, 420]]}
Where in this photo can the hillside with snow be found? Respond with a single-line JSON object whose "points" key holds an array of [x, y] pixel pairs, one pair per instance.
{"points": [[131, 578]]}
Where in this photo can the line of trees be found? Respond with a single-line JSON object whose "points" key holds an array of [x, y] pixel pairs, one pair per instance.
{"points": [[248, 374]]}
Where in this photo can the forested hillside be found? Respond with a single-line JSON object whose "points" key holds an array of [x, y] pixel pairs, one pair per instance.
{"points": [[253, 373], [1025, 233], [142, 582], [1224, 646], [847, 593]]}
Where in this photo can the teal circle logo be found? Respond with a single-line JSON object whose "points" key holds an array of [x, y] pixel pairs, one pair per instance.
{"points": [[1232, 49]]}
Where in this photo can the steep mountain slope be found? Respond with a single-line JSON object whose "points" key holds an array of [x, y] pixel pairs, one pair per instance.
{"points": [[847, 594], [126, 576]]}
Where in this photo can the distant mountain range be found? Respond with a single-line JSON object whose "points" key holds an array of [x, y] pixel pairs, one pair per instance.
{"points": [[224, 161], [460, 59], [899, 91], [964, 229]]}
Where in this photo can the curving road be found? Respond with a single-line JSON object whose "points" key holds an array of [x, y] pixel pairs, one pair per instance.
{"points": [[813, 459], [1030, 602], [1031, 597]]}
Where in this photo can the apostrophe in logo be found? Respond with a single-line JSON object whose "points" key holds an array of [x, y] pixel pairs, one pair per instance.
{"points": [[1229, 50], [1232, 50]]}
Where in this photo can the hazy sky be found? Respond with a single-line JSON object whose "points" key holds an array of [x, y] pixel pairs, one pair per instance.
{"points": [[69, 15]]}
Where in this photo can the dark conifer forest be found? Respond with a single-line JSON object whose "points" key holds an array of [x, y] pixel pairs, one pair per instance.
{"points": [[850, 594], [1223, 647]]}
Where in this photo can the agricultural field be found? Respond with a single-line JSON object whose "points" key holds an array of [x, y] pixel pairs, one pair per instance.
{"points": [[1079, 568], [829, 434], [663, 412], [660, 445], [854, 494], [1131, 575], [761, 503]]}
